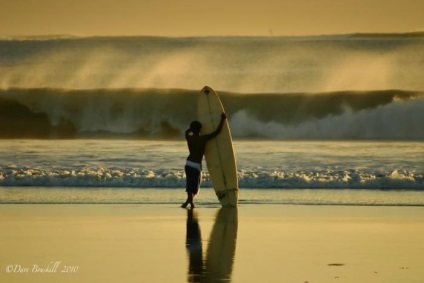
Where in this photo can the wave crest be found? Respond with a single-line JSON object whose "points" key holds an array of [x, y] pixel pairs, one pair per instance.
{"points": [[165, 113], [397, 120]]}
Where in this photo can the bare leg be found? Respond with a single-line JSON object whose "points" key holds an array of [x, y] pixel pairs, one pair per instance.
{"points": [[188, 201], [191, 200]]}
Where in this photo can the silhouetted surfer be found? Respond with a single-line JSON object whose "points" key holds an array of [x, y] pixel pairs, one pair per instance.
{"points": [[193, 168]]}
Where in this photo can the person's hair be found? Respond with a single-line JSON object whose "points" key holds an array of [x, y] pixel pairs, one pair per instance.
{"points": [[195, 126]]}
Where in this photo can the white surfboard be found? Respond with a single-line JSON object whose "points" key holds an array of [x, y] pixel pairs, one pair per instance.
{"points": [[219, 153]]}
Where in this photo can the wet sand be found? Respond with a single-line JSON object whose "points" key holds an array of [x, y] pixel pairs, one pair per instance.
{"points": [[164, 243]]}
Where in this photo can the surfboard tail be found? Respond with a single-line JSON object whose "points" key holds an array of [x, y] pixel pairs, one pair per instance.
{"points": [[228, 198]]}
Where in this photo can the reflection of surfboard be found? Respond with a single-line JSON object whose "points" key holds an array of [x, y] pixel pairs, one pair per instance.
{"points": [[222, 246], [219, 153]]}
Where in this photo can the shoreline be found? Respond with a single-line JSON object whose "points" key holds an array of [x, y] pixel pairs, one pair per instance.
{"points": [[207, 196]]}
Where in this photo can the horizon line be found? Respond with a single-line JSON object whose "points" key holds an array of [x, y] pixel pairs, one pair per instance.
{"points": [[65, 36]]}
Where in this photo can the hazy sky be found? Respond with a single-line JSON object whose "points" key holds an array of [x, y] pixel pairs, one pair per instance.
{"points": [[213, 17]]}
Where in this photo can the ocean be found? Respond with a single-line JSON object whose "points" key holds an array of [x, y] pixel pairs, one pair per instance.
{"points": [[335, 120]]}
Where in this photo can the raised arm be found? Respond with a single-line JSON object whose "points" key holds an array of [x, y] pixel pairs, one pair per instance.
{"points": [[218, 129]]}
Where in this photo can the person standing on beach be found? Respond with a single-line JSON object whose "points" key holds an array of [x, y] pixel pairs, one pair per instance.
{"points": [[193, 168]]}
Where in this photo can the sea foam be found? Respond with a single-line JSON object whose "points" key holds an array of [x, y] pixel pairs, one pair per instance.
{"points": [[142, 178]]}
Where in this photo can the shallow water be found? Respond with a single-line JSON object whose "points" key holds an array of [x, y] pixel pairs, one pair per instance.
{"points": [[261, 164]]}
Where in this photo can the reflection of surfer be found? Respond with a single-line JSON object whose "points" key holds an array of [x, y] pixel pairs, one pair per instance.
{"points": [[221, 248], [194, 248], [193, 168]]}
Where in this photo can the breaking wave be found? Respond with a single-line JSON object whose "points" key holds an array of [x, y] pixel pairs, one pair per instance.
{"points": [[165, 113]]}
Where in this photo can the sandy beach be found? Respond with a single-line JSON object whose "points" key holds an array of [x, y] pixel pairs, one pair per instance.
{"points": [[164, 243]]}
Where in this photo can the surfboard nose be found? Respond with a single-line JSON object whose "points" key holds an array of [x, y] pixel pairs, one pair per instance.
{"points": [[206, 89]]}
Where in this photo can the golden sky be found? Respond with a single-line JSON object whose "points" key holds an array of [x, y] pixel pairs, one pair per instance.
{"points": [[213, 17]]}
